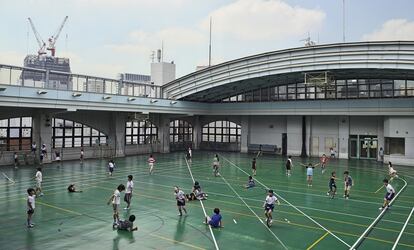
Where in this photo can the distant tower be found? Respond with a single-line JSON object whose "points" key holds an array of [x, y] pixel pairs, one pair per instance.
{"points": [[162, 72]]}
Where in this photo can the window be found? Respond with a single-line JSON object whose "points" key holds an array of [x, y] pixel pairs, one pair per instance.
{"points": [[221, 131], [181, 131], [394, 146], [140, 132], [16, 134], [70, 134]]}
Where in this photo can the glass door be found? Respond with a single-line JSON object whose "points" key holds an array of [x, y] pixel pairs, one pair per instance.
{"points": [[363, 147]]}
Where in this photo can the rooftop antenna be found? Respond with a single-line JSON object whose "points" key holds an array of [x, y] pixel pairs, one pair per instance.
{"points": [[209, 47], [152, 56], [162, 51], [343, 21], [308, 41]]}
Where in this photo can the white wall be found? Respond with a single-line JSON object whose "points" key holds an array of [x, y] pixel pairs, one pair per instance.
{"points": [[364, 125], [267, 130], [325, 128], [294, 135], [401, 127]]}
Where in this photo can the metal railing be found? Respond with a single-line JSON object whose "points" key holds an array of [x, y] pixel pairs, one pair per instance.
{"points": [[48, 79]]}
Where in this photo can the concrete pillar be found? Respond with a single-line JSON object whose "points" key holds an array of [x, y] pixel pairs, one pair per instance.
{"points": [[42, 133], [380, 135], [343, 134], [245, 133], [116, 135], [294, 135], [197, 132], [164, 133]]}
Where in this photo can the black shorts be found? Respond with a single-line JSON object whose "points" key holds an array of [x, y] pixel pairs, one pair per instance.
{"points": [[331, 186], [111, 170], [30, 211], [288, 167], [180, 203], [269, 207], [389, 196], [127, 197]]}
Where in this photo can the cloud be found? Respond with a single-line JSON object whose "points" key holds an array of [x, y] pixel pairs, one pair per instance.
{"points": [[394, 29], [264, 19], [11, 57]]}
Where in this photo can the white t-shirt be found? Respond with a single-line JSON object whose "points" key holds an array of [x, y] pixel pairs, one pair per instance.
{"points": [[31, 200], [390, 189], [117, 197], [392, 170], [129, 187], [309, 170], [180, 195], [271, 199], [39, 176], [111, 165], [190, 152]]}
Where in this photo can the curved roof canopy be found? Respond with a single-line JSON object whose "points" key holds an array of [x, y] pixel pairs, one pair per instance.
{"points": [[362, 60]]}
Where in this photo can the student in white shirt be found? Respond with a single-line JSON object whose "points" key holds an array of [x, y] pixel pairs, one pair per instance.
{"points": [[269, 205], [151, 163], [115, 199], [39, 179], [391, 171], [389, 195], [180, 197], [128, 192], [111, 166], [30, 206], [81, 155]]}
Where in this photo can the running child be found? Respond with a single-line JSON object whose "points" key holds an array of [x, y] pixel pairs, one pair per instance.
{"points": [[128, 192], [180, 197], [44, 150], [111, 166], [39, 179], [332, 151], [324, 161], [16, 159], [309, 172], [151, 163], [115, 199], [391, 171], [34, 148], [127, 225], [250, 183], [254, 167], [30, 206], [259, 153], [214, 220], [41, 158], [57, 156], [216, 165], [289, 165], [388, 196], [189, 154], [332, 185], [269, 205], [348, 184]]}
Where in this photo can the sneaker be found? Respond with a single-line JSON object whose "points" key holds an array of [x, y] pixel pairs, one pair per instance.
{"points": [[30, 226], [126, 208], [347, 197], [327, 193], [344, 196], [41, 194], [381, 208], [180, 214]]}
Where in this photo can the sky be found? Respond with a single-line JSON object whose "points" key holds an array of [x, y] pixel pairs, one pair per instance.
{"points": [[108, 37]]}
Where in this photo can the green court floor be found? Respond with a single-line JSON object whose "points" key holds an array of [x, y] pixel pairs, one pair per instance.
{"points": [[306, 219]]}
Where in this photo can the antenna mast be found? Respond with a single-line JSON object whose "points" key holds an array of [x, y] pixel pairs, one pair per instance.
{"points": [[209, 47], [343, 20]]}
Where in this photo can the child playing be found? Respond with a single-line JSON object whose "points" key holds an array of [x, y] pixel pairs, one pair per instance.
{"points": [[39, 179], [81, 156], [116, 201], [111, 166], [151, 162], [332, 151], [72, 189], [259, 153], [289, 165], [128, 192], [214, 220], [254, 166], [269, 205], [250, 183], [57, 156], [30, 206], [388, 196], [309, 172], [324, 161], [348, 184], [180, 197], [127, 225], [216, 165], [198, 193], [332, 185], [391, 171], [189, 154], [16, 160]]}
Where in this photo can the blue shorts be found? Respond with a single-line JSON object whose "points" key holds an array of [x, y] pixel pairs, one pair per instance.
{"points": [[269, 207], [389, 196]]}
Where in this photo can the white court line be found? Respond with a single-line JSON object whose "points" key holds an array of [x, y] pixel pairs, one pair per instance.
{"points": [[277, 238], [365, 233], [202, 206], [402, 230], [297, 209]]}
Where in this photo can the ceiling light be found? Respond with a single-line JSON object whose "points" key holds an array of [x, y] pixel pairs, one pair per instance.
{"points": [[76, 94], [106, 97], [41, 92], [153, 101], [130, 99]]}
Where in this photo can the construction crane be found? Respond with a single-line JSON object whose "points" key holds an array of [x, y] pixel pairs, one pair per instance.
{"points": [[308, 41], [42, 44], [52, 40]]}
